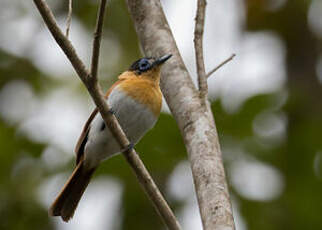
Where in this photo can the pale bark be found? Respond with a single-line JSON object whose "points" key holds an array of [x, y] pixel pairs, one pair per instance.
{"points": [[198, 42], [194, 117]]}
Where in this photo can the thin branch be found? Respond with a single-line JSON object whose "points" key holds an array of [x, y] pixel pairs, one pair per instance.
{"points": [[69, 16], [220, 65], [198, 39], [93, 88], [97, 39]]}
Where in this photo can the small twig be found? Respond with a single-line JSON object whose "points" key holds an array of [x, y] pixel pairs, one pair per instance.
{"points": [[198, 39], [69, 16], [131, 156], [97, 40], [220, 65]]}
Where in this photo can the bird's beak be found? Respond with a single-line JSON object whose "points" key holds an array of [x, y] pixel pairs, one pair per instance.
{"points": [[162, 60]]}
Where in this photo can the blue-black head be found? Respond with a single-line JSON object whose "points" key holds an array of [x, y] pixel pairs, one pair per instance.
{"points": [[148, 63]]}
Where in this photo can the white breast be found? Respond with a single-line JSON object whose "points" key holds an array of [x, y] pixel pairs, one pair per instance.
{"points": [[134, 118]]}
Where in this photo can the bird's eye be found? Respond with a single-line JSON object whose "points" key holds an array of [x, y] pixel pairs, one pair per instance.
{"points": [[144, 65]]}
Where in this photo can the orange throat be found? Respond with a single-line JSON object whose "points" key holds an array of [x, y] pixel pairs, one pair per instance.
{"points": [[144, 89]]}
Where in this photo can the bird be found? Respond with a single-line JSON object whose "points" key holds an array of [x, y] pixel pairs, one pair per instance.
{"points": [[135, 99]]}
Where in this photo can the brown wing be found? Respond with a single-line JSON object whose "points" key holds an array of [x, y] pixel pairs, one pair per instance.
{"points": [[79, 149]]}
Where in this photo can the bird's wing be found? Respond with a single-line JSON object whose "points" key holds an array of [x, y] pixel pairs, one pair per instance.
{"points": [[79, 149]]}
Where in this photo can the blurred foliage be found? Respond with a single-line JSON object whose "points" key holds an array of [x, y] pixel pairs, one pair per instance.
{"points": [[299, 206]]}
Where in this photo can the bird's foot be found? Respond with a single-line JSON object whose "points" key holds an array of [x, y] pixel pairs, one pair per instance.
{"points": [[129, 147], [111, 111]]}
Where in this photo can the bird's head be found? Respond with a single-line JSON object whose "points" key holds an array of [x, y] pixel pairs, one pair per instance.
{"points": [[149, 67]]}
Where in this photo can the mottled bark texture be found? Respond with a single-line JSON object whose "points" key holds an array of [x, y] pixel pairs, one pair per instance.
{"points": [[198, 41], [194, 117]]}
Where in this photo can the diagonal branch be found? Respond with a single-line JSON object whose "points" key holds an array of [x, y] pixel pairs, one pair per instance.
{"points": [[62, 41], [220, 65], [198, 40], [93, 88]]}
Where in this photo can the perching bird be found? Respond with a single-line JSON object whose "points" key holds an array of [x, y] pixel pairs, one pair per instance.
{"points": [[135, 99]]}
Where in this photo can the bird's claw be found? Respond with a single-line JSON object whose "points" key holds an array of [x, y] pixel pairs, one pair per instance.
{"points": [[111, 111], [129, 147]]}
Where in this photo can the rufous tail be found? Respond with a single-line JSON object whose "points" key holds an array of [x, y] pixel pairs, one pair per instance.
{"points": [[67, 200]]}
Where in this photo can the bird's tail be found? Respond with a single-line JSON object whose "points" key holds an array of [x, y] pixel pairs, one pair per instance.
{"points": [[67, 200]]}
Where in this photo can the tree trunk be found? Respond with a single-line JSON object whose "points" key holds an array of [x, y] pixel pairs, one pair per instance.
{"points": [[192, 114]]}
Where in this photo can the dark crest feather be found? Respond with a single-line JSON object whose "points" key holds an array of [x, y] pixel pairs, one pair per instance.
{"points": [[136, 65]]}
